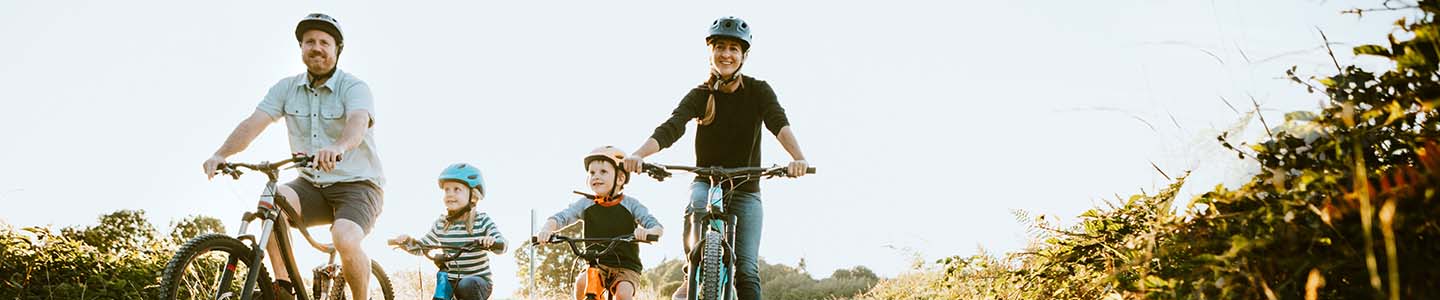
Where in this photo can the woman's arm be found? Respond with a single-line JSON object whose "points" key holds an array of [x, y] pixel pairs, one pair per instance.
{"points": [[633, 162], [787, 140]]}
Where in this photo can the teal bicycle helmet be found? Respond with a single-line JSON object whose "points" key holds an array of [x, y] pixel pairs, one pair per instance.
{"points": [[730, 27], [464, 173]]}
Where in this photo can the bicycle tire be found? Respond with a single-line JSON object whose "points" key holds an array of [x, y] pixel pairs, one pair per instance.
{"points": [[338, 290], [710, 260], [182, 266]]}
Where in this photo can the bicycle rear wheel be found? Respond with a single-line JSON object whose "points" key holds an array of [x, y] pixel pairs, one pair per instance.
{"points": [[379, 285], [196, 270]]}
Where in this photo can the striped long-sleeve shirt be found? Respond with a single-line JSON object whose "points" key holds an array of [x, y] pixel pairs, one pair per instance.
{"points": [[476, 263]]}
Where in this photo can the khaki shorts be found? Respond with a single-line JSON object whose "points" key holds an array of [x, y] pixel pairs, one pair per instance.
{"points": [[358, 202], [614, 275]]}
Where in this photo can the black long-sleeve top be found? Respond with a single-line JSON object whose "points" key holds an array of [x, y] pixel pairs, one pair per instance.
{"points": [[733, 140]]}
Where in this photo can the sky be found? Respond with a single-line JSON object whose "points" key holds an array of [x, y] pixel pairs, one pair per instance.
{"points": [[930, 122]]}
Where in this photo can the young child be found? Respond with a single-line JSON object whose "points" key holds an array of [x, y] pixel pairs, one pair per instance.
{"points": [[609, 213], [462, 224]]}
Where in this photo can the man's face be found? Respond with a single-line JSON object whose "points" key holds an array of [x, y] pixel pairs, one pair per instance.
{"points": [[318, 49]]}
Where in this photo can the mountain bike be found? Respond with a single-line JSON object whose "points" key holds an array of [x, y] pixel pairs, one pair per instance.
{"points": [[444, 288], [711, 258], [594, 285], [219, 266]]}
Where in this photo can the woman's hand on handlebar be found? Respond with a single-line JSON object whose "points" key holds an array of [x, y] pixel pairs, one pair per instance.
{"points": [[797, 168], [633, 163]]}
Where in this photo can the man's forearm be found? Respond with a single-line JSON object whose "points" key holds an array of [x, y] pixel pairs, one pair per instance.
{"points": [[243, 134], [354, 132]]}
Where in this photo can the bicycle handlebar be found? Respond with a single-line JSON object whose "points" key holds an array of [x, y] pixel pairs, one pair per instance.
{"points": [[589, 255], [300, 160], [661, 171], [468, 247]]}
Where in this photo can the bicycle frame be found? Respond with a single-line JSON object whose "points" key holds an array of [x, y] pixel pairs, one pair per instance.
{"points": [[716, 218], [594, 284], [267, 213]]}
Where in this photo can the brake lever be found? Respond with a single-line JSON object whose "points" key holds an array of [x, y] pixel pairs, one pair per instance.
{"points": [[229, 170], [657, 172]]}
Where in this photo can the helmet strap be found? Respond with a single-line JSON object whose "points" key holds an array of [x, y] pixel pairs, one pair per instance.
{"points": [[323, 77], [602, 200], [460, 213], [727, 84], [615, 184]]}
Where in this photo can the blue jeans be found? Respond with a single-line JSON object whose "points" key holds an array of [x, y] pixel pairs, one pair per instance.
{"points": [[471, 288], [749, 214]]}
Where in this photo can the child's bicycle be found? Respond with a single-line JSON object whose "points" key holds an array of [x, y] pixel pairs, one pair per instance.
{"points": [[219, 266], [444, 288], [593, 251], [712, 257]]}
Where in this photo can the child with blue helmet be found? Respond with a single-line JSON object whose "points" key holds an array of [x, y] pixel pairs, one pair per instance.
{"points": [[461, 224]]}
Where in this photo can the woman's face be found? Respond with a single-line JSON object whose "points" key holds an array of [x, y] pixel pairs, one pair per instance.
{"points": [[726, 55]]}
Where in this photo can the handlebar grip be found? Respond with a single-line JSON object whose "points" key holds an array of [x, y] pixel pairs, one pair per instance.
{"points": [[652, 237], [810, 170]]}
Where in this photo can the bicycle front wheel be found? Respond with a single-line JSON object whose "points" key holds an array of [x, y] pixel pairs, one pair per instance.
{"points": [[197, 269], [379, 285], [710, 272]]}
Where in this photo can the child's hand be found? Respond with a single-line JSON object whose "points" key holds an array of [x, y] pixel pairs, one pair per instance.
{"points": [[544, 236], [486, 242], [401, 240], [641, 233]]}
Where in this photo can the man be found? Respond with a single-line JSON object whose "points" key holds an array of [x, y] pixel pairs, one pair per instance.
{"points": [[328, 114]]}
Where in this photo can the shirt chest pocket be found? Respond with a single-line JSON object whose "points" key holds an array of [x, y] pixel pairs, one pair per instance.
{"points": [[298, 108], [331, 109]]}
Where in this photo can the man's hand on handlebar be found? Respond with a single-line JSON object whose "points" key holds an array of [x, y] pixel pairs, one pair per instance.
{"points": [[212, 165], [401, 240]]}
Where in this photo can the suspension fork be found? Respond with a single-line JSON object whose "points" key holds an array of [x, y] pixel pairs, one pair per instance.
{"points": [[269, 215], [266, 210]]}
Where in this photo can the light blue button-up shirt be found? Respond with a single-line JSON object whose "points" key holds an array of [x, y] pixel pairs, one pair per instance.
{"points": [[316, 118]]}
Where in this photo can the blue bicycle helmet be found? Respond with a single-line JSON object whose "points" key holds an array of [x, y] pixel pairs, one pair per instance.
{"points": [[464, 173]]}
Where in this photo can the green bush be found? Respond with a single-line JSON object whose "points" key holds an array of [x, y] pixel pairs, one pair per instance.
{"points": [[1344, 207], [119, 258]]}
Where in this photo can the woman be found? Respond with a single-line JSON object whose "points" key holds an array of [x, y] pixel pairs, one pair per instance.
{"points": [[730, 109]]}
